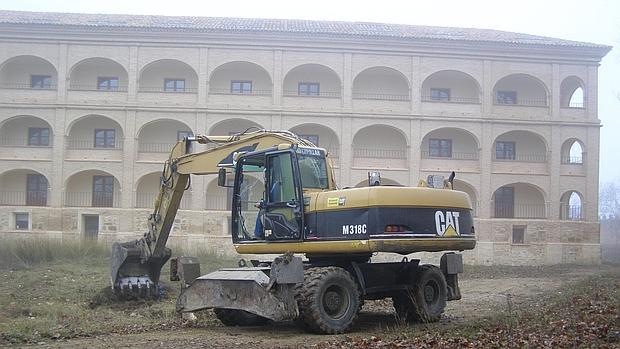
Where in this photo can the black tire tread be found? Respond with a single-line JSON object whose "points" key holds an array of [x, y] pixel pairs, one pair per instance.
{"points": [[310, 318]]}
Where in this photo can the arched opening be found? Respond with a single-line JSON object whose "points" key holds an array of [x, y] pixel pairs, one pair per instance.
{"points": [[450, 143], [381, 83], [240, 78], [26, 131], [161, 135], [312, 80], [571, 206], [147, 190], [450, 86], [380, 146], [471, 191], [92, 188], [231, 127], [519, 200], [28, 72], [95, 132], [321, 136], [218, 198], [520, 89], [573, 152], [523, 146], [572, 93], [168, 75], [23, 187], [98, 74]]}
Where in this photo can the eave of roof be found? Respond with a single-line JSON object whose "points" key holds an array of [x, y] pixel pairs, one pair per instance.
{"points": [[288, 26]]}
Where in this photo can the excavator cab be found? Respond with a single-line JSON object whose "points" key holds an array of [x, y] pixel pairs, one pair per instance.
{"points": [[268, 192]]}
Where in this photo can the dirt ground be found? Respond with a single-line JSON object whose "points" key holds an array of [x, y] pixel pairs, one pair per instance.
{"points": [[486, 292]]}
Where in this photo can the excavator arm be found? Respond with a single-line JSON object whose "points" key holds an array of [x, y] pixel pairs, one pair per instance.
{"points": [[136, 265]]}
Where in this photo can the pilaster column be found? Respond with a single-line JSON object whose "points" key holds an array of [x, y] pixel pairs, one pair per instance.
{"points": [[57, 177], [416, 85], [486, 166], [129, 159], [132, 74], [553, 163], [347, 81], [346, 152], [554, 99], [415, 142], [487, 88], [276, 76], [63, 78], [203, 76]]}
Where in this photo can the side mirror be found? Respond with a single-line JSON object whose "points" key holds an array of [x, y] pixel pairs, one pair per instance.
{"points": [[221, 177]]}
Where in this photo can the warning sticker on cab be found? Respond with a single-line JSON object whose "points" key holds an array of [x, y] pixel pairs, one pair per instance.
{"points": [[332, 202]]}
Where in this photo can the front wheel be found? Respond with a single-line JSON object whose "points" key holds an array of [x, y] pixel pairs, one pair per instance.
{"points": [[328, 300]]}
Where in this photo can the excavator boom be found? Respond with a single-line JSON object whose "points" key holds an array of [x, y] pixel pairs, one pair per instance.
{"points": [[136, 265]]}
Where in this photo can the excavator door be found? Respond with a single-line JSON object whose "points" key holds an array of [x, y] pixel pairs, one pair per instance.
{"points": [[283, 218]]}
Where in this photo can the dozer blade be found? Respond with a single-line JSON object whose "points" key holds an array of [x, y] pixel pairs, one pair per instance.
{"points": [[131, 275], [263, 291]]}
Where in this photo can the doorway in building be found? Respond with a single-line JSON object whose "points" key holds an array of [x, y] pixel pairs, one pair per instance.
{"points": [[90, 226]]}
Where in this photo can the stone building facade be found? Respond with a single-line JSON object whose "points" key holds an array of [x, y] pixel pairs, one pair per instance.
{"points": [[91, 104]]}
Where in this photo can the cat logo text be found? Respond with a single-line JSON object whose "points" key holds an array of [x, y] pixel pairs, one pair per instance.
{"points": [[447, 223]]}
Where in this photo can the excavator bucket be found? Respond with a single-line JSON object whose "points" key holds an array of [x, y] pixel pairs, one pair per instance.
{"points": [[130, 275], [264, 291]]}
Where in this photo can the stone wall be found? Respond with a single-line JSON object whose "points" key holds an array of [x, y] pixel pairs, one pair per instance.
{"points": [[545, 241]]}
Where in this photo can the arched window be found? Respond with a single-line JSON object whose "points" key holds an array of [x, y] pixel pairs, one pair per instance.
{"points": [[576, 100], [571, 207]]}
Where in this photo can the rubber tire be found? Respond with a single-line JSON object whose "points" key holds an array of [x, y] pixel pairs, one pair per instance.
{"points": [[310, 296], [235, 317], [412, 305]]}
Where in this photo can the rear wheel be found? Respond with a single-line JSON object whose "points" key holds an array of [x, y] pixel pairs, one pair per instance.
{"points": [[425, 301], [328, 300], [235, 317]]}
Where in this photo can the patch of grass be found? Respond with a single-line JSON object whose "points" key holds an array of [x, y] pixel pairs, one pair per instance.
{"points": [[27, 252], [60, 289]]}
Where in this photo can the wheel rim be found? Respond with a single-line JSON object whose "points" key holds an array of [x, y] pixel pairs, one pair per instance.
{"points": [[335, 301], [431, 292]]}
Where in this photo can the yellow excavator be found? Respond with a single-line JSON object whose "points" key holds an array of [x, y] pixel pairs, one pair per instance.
{"points": [[285, 201]]}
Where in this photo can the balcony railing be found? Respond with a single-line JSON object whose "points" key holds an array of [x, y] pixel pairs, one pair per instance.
{"points": [[571, 212], [90, 199], [572, 160], [520, 210], [90, 144], [451, 99], [93, 87], [522, 102], [523, 158], [25, 86], [575, 105], [217, 203], [20, 142], [380, 153], [23, 198], [160, 89], [224, 91], [322, 94], [381, 96], [453, 156], [155, 147]]}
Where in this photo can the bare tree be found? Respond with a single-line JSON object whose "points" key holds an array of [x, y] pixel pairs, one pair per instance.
{"points": [[609, 200]]}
